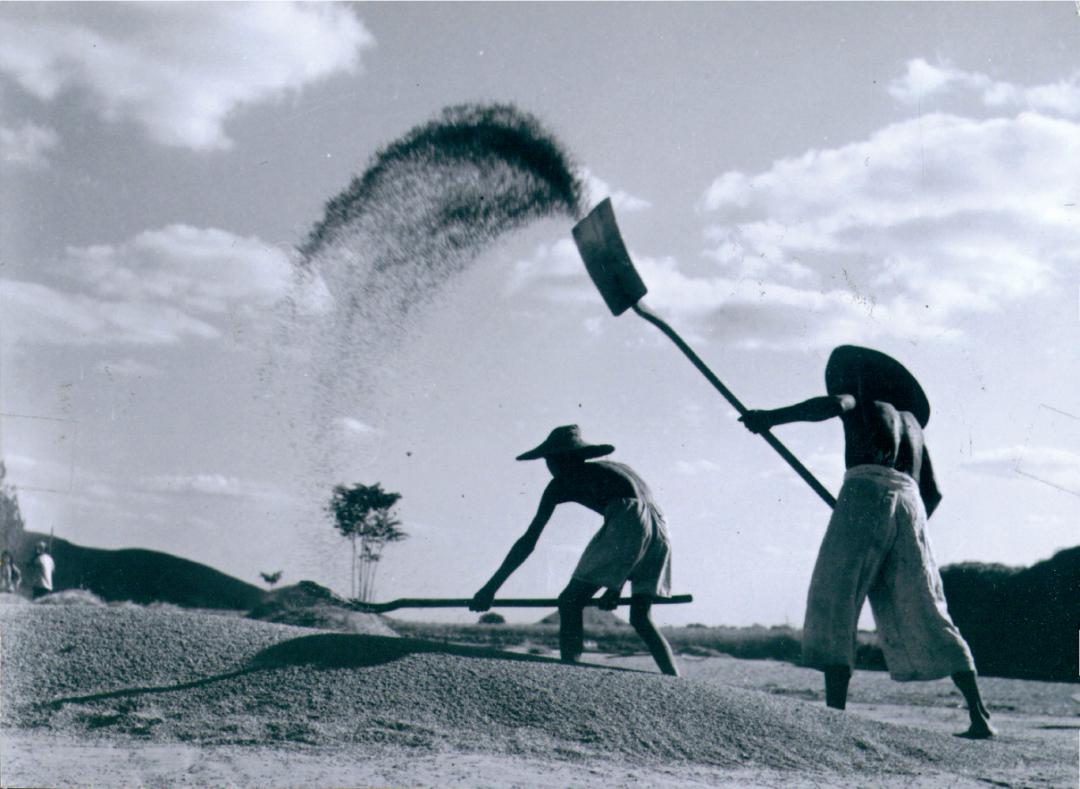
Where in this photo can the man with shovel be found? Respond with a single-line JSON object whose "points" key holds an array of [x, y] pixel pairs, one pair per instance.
{"points": [[632, 545], [876, 543]]}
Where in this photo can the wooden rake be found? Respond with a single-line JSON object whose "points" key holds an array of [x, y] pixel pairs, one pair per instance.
{"points": [[512, 602]]}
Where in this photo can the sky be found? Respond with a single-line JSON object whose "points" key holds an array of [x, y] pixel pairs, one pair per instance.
{"points": [[788, 177]]}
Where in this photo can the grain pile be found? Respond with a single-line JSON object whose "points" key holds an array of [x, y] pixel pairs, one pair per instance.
{"points": [[122, 674]]}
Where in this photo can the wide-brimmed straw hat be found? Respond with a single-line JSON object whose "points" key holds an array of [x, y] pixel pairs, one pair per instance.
{"points": [[566, 440], [881, 378]]}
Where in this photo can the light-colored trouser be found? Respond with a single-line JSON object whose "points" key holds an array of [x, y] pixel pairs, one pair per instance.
{"points": [[876, 545], [631, 545]]}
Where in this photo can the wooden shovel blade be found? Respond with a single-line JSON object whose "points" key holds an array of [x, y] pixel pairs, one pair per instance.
{"points": [[606, 259]]}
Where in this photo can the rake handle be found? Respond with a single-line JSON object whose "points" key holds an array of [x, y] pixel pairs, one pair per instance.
{"points": [[772, 440], [511, 602]]}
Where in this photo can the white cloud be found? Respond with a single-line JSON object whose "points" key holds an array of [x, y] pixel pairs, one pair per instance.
{"points": [[201, 270], [903, 234], [160, 287], [178, 70], [923, 81], [34, 313], [745, 312], [353, 426], [213, 485], [1059, 468], [596, 189], [27, 145], [558, 266], [913, 233]]}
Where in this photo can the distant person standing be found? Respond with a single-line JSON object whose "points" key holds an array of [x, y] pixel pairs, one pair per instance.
{"points": [[876, 543], [10, 577], [632, 545], [41, 571]]}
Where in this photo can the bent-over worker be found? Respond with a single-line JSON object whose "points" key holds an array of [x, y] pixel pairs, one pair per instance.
{"points": [[632, 545]]}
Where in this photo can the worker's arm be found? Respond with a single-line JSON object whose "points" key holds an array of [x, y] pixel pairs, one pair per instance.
{"points": [[519, 552], [816, 409]]}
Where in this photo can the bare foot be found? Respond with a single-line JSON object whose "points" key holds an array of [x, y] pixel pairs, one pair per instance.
{"points": [[978, 731]]}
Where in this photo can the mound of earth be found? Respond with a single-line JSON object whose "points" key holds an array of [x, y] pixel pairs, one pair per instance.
{"points": [[196, 680], [307, 604], [140, 576]]}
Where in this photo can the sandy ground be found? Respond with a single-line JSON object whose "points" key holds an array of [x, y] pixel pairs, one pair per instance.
{"points": [[125, 696]]}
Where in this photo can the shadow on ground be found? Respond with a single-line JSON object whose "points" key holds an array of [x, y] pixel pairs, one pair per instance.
{"points": [[351, 650], [330, 651]]}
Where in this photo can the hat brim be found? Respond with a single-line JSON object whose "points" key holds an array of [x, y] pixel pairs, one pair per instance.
{"points": [[586, 452], [881, 378]]}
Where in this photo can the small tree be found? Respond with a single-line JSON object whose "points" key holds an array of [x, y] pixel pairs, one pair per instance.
{"points": [[11, 520], [271, 578], [365, 515]]}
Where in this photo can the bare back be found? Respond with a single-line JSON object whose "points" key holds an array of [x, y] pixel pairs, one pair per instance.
{"points": [[597, 483], [878, 434]]}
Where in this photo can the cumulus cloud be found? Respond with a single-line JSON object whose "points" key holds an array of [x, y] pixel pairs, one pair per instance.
{"points": [[596, 189], [1059, 468], [923, 81], [160, 287], [745, 312], [178, 70], [904, 233], [33, 313], [212, 485], [916, 232], [27, 146], [555, 271], [201, 270]]}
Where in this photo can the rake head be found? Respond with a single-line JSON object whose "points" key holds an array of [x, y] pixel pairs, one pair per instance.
{"points": [[606, 259]]}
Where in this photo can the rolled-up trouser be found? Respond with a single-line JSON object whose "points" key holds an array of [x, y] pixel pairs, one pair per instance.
{"points": [[631, 545], [876, 545]]}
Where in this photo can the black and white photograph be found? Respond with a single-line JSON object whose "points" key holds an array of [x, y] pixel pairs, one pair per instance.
{"points": [[539, 395]]}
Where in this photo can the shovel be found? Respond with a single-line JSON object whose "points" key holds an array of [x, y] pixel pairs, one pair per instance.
{"points": [[609, 265], [512, 602]]}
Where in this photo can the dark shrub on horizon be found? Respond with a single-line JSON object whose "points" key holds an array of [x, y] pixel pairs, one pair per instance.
{"points": [[142, 576], [1019, 622]]}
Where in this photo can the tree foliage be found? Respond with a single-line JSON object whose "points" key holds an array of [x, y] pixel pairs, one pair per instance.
{"points": [[271, 578], [11, 520], [366, 516]]}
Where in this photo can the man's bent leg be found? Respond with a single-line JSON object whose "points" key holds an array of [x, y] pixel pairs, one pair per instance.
{"points": [[572, 602], [980, 728], [653, 638], [836, 686]]}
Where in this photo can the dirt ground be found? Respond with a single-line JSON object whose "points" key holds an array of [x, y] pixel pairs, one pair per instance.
{"points": [[126, 696]]}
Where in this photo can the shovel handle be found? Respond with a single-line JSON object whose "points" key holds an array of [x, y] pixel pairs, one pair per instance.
{"points": [[772, 440], [512, 602]]}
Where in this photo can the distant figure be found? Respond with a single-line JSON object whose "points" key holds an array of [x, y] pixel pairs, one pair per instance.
{"points": [[10, 577], [632, 545], [41, 571], [876, 543]]}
